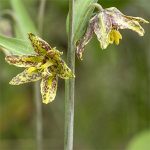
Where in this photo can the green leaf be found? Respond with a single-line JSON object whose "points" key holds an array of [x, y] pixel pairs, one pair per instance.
{"points": [[140, 141], [83, 12], [23, 19], [23, 25], [16, 46]]}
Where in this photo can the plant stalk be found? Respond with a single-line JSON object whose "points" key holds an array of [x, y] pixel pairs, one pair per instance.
{"points": [[38, 103], [39, 119], [70, 84], [41, 15]]}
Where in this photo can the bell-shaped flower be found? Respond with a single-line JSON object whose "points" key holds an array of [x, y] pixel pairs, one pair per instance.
{"points": [[46, 64], [106, 24]]}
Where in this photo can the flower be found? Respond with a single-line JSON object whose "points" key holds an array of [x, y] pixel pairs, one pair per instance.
{"points": [[106, 24], [46, 64]]}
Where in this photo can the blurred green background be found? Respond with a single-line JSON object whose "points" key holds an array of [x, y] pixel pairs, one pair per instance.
{"points": [[112, 98]]}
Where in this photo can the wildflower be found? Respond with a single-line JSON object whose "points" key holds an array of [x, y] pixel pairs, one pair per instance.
{"points": [[106, 24], [46, 64]]}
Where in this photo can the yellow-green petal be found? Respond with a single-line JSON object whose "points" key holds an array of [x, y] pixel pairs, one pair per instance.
{"points": [[121, 21], [24, 61], [46, 72], [49, 88], [64, 71], [40, 46], [54, 53], [28, 75], [138, 19], [102, 29]]}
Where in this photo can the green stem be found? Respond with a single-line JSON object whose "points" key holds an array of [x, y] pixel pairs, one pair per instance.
{"points": [[38, 103], [41, 15], [70, 84], [39, 120], [98, 6]]}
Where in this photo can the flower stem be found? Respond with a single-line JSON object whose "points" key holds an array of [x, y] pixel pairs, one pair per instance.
{"points": [[41, 15], [98, 6], [70, 84], [39, 119], [37, 96]]}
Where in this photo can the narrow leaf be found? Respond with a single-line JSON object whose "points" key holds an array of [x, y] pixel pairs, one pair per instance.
{"points": [[24, 21], [23, 25], [83, 12], [16, 46]]}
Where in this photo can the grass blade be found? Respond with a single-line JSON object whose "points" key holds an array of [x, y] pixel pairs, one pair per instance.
{"points": [[23, 19]]}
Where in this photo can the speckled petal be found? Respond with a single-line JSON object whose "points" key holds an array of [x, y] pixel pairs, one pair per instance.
{"points": [[122, 21], [102, 28], [138, 19], [24, 61], [49, 88], [85, 40], [54, 53], [40, 46], [64, 71], [28, 75]]}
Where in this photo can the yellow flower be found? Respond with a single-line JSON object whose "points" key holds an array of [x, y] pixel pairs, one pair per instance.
{"points": [[46, 64], [106, 24]]}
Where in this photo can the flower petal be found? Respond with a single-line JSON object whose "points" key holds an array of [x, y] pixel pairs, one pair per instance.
{"points": [[85, 40], [138, 19], [46, 72], [102, 28], [121, 21], [28, 75], [60, 69], [39, 45], [54, 53], [24, 61], [49, 88], [64, 71]]}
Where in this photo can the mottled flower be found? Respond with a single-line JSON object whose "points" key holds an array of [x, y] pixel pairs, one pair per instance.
{"points": [[46, 64], [106, 24]]}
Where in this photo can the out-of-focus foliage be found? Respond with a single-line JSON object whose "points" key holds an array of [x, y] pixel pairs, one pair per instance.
{"points": [[116, 3], [23, 21], [140, 141], [112, 86]]}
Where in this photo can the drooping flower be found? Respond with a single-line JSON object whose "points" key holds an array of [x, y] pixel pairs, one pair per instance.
{"points": [[106, 24], [46, 64]]}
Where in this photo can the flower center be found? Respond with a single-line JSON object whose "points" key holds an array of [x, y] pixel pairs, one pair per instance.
{"points": [[114, 36]]}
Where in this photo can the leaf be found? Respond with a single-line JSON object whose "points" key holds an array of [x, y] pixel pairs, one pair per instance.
{"points": [[16, 46], [23, 25], [23, 19], [140, 142], [83, 12]]}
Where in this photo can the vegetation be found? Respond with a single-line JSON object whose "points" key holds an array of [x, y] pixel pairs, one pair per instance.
{"points": [[112, 86]]}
